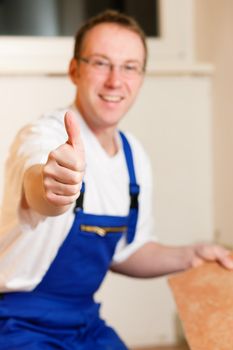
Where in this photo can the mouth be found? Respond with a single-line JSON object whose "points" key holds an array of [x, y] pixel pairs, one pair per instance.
{"points": [[111, 98]]}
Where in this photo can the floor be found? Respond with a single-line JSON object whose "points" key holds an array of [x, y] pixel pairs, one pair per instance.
{"points": [[177, 347]]}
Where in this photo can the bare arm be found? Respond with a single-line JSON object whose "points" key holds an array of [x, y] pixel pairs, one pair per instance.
{"points": [[153, 259], [51, 188]]}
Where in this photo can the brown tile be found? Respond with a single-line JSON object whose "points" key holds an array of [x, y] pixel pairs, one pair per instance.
{"points": [[204, 297]]}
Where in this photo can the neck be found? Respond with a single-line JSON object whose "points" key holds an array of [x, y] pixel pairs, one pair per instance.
{"points": [[104, 134], [107, 139]]}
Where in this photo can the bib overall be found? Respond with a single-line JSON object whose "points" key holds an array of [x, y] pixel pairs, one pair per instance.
{"points": [[60, 313]]}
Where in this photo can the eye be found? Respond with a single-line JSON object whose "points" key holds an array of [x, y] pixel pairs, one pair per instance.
{"points": [[99, 63], [130, 67]]}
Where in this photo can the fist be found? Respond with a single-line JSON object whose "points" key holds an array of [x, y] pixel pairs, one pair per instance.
{"points": [[64, 169]]}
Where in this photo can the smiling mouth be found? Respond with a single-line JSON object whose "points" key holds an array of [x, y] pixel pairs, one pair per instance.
{"points": [[111, 98]]}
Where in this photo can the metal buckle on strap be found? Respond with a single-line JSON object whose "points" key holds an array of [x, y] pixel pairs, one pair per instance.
{"points": [[102, 231]]}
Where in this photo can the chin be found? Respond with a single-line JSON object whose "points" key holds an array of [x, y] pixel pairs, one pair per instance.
{"points": [[112, 118], [112, 121]]}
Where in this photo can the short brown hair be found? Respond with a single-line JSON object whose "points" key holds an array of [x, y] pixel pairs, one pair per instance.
{"points": [[109, 16]]}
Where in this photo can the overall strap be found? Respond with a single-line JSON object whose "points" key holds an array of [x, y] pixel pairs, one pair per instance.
{"points": [[134, 189], [129, 158]]}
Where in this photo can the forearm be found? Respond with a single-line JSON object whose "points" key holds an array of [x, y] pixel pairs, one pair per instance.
{"points": [[34, 195], [153, 260]]}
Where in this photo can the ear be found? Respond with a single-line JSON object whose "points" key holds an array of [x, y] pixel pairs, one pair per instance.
{"points": [[73, 70]]}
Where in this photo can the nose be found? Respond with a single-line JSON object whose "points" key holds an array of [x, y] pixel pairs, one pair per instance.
{"points": [[114, 78]]}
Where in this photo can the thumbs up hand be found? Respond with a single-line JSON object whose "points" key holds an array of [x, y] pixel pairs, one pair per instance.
{"points": [[64, 169]]}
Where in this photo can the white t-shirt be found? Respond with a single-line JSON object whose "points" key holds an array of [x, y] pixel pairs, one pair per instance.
{"points": [[29, 241]]}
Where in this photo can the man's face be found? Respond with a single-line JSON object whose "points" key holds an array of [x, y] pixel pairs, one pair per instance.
{"points": [[108, 74]]}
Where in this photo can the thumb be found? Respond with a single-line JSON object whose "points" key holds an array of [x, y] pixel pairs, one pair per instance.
{"points": [[72, 129]]}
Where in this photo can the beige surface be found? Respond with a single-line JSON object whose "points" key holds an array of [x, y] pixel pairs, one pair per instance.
{"points": [[204, 298]]}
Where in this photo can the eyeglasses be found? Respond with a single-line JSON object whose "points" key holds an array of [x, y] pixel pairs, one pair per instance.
{"points": [[104, 66]]}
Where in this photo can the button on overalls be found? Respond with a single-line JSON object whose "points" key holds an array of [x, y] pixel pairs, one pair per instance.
{"points": [[60, 313]]}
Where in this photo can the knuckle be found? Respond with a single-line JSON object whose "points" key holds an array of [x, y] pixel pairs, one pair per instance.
{"points": [[47, 170], [50, 197], [47, 185], [59, 200], [74, 190], [52, 155], [76, 178], [71, 190]]}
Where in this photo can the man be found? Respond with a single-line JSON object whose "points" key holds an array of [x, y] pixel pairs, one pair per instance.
{"points": [[78, 203]]}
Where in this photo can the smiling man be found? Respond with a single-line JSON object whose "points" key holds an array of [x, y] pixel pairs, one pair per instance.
{"points": [[81, 203], [108, 73]]}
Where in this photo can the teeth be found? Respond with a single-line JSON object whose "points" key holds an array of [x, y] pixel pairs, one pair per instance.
{"points": [[111, 98]]}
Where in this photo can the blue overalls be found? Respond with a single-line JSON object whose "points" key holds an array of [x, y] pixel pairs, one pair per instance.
{"points": [[60, 313]]}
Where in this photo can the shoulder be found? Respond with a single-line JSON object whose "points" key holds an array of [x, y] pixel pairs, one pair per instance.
{"points": [[53, 119], [34, 141], [49, 126]]}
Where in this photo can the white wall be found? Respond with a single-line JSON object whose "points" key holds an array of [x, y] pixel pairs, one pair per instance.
{"points": [[214, 33], [172, 118]]}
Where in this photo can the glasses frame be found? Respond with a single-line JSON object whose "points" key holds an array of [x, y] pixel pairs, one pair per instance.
{"points": [[108, 67]]}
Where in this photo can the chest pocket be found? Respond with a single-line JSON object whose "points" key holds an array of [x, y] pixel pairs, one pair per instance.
{"points": [[102, 231]]}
